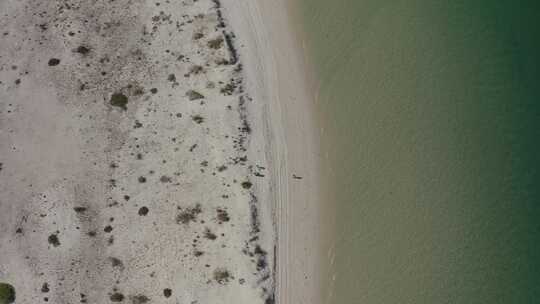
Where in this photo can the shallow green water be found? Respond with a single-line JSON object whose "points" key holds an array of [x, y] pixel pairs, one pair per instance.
{"points": [[431, 112]]}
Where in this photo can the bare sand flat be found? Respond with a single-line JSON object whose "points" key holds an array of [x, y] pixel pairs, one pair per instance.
{"points": [[276, 72], [155, 152]]}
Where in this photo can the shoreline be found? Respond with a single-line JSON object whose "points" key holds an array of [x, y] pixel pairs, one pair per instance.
{"points": [[291, 131]]}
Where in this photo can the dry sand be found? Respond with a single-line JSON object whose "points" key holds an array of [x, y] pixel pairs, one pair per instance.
{"points": [[149, 152], [276, 73]]}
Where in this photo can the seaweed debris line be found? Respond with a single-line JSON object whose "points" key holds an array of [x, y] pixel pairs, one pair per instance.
{"points": [[132, 164]]}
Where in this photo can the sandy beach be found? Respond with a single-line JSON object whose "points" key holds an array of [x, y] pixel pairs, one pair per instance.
{"points": [[156, 152], [294, 132], [276, 71]]}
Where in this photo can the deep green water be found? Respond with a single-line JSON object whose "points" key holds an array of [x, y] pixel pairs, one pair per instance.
{"points": [[431, 112]]}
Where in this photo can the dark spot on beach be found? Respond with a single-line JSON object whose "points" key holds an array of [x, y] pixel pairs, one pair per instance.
{"points": [[196, 69], [139, 299], [228, 89], [221, 275], [171, 78], [143, 211], [270, 300], [53, 240], [54, 62], [209, 234], [198, 36], [198, 119], [215, 43], [153, 90], [188, 215], [142, 179], [119, 100], [167, 292], [108, 228], [259, 250], [45, 288], [117, 297], [194, 95], [165, 179], [261, 263], [115, 262], [247, 185], [82, 50], [222, 215], [79, 209]]}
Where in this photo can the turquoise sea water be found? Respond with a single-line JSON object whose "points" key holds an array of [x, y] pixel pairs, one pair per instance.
{"points": [[431, 111]]}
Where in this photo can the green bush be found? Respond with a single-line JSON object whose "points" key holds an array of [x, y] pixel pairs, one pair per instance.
{"points": [[7, 293]]}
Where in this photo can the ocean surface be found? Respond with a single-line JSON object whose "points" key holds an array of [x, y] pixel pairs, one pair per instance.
{"points": [[431, 119]]}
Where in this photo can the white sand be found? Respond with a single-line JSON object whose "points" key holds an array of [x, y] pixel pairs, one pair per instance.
{"points": [[84, 172], [276, 73]]}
